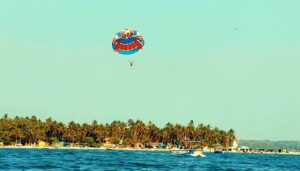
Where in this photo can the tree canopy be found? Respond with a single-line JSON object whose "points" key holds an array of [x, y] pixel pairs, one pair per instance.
{"points": [[30, 130]]}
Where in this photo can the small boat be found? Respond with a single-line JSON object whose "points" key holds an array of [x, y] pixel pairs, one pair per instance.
{"points": [[194, 153], [187, 150], [179, 152]]}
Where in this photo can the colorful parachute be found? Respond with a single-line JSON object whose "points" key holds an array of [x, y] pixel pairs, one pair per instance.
{"points": [[127, 42]]}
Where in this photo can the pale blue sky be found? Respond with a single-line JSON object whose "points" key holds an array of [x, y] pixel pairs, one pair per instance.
{"points": [[56, 61]]}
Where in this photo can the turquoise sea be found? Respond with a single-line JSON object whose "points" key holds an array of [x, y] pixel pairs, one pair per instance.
{"points": [[58, 159]]}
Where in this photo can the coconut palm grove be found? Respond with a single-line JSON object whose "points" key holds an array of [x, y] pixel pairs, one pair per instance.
{"points": [[31, 130]]}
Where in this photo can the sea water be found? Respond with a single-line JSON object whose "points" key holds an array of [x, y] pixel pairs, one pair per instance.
{"points": [[59, 159]]}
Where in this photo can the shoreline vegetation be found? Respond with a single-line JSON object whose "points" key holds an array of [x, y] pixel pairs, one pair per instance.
{"points": [[31, 132]]}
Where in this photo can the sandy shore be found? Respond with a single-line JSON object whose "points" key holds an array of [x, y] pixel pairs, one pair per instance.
{"points": [[80, 148]]}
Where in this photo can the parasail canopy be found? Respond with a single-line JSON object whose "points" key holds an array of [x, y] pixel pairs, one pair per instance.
{"points": [[127, 42]]}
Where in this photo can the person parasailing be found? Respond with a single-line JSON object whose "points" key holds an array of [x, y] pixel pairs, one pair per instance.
{"points": [[128, 42]]}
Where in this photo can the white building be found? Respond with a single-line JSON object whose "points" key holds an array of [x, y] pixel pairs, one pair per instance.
{"points": [[235, 144]]}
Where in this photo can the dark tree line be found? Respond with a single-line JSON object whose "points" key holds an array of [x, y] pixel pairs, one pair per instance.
{"points": [[30, 130]]}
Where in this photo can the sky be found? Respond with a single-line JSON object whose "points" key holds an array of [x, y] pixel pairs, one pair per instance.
{"points": [[230, 64]]}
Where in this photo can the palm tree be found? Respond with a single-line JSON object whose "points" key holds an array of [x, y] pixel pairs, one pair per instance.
{"points": [[31, 129], [169, 134], [137, 130], [180, 132], [117, 129], [190, 130], [60, 129], [153, 132], [72, 132]]}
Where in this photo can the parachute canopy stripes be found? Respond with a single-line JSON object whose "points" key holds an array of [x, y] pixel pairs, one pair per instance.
{"points": [[128, 41]]}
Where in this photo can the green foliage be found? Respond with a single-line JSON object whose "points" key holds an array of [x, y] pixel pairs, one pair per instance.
{"points": [[196, 147], [54, 140], [89, 140], [115, 140], [96, 145], [6, 140], [30, 130]]}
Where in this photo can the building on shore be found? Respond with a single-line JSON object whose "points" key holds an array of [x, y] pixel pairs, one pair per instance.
{"points": [[107, 143], [245, 148], [235, 144], [59, 144], [18, 143], [42, 144], [139, 145], [233, 147]]}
